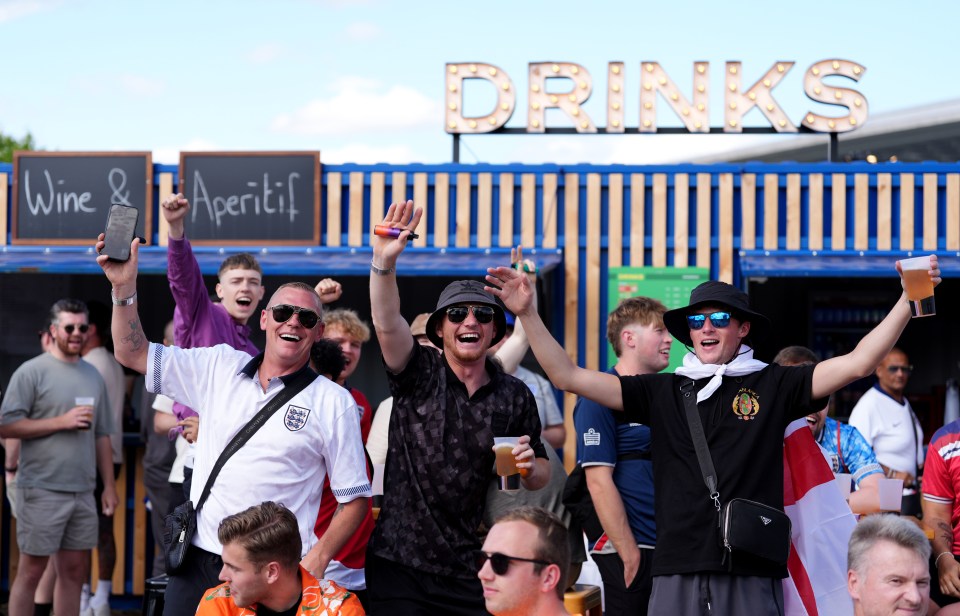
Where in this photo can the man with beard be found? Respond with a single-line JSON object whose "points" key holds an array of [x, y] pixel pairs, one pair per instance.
{"points": [[842, 445], [744, 406], [447, 409], [57, 405]]}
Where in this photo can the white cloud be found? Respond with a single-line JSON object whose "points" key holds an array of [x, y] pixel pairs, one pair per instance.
{"points": [[265, 54], [362, 32], [367, 154], [362, 106], [11, 10]]}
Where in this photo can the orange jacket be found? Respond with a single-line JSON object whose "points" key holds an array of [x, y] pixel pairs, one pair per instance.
{"points": [[320, 598]]}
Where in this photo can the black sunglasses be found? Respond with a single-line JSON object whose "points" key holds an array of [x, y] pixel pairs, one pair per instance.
{"points": [[283, 312], [903, 369], [719, 319], [500, 563], [483, 314], [69, 328]]}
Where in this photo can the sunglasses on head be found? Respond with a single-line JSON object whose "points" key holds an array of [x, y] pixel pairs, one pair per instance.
{"points": [[500, 563], [69, 328], [903, 369], [718, 319], [483, 314], [283, 312]]}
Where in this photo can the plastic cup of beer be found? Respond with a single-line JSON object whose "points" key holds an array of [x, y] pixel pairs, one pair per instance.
{"points": [[918, 285], [891, 495], [844, 484], [503, 447], [88, 401]]}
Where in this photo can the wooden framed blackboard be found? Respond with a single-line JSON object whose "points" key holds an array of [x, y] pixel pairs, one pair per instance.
{"points": [[239, 198], [64, 197]]}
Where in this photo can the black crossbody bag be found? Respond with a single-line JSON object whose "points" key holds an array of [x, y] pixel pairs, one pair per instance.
{"points": [[745, 526], [181, 524]]}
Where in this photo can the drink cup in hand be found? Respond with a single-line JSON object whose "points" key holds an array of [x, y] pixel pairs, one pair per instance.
{"points": [[919, 287], [86, 402], [506, 462]]}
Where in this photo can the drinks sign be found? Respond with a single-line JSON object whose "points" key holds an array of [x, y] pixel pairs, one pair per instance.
{"points": [[740, 95]]}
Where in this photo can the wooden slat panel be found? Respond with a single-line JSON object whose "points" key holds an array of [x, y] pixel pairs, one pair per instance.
{"points": [[571, 266], [725, 229], [378, 198], [549, 210], [592, 322], [953, 211], [704, 207], [884, 211], [681, 220], [815, 211], [907, 205], [637, 220], [421, 189], [441, 210], [771, 211], [355, 213], [930, 211], [505, 235], [528, 209], [861, 209], [659, 255], [399, 181], [164, 190], [484, 209], [794, 222], [748, 211], [334, 180], [838, 237], [4, 185], [462, 221], [140, 520], [615, 220]]}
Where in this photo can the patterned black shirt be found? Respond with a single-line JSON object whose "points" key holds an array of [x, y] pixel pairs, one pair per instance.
{"points": [[440, 461]]}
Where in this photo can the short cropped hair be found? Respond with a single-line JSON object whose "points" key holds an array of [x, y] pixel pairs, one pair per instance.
{"points": [[268, 532], [302, 286], [642, 310], [349, 322], [796, 356], [243, 260], [876, 528], [327, 358], [73, 306], [552, 545]]}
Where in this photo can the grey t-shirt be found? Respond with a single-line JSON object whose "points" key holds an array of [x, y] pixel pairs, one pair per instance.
{"points": [[46, 387]]}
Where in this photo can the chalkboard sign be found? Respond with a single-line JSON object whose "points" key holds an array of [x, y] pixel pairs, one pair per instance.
{"points": [[64, 197], [252, 197]]}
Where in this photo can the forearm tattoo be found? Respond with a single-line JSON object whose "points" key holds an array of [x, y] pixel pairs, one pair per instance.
{"points": [[135, 338]]}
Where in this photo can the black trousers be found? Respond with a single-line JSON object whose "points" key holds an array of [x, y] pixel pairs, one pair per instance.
{"points": [[393, 588], [618, 599], [200, 571]]}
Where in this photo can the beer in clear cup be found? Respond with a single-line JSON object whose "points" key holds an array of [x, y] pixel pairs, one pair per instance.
{"points": [[503, 447], [87, 401], [919, 287]]}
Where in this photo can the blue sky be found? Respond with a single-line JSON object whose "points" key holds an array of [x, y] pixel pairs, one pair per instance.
{"points": [[363, 81]]}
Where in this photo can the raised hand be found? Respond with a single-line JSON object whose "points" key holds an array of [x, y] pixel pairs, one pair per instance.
{"points": [[512, 287], [401, 215], [174, 209]]}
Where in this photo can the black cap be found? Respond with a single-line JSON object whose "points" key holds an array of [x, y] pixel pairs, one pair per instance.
{"points": [[466, 292], [716, 293]]}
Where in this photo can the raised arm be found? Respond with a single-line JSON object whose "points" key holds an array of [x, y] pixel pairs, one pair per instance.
{"points": [[393, 332], [129, 341], [515, 292], [512, 351], [836, 372]]}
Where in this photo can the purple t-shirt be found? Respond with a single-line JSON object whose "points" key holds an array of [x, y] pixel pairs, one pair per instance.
{"points": [[197, 321]]}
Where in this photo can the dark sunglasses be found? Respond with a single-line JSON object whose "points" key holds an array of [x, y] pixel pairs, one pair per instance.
{"points": [[500, 563], [69, 328], [483, 314], [283, 312], [718, 319], [903, 369]]}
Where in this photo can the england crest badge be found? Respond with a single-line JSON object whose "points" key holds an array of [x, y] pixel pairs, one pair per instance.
{"points": [[295, 417]]}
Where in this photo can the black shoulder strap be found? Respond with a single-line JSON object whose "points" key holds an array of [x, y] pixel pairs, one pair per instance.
{"points": [[700, 440], [288, 392]]}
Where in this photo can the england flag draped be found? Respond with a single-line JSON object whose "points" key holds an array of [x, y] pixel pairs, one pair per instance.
{"points": [[822, 524]]}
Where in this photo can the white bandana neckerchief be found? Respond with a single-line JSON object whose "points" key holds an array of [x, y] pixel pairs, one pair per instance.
{"points": [[742, 364]]}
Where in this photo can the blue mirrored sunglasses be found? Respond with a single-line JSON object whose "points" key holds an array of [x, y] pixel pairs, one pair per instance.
{"points": [[718, 319]]}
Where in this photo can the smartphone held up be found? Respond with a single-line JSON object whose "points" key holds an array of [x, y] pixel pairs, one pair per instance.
{"points": [[120, 231]]}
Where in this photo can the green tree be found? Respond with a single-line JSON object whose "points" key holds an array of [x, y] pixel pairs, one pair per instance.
{"points": [[9, 144]]}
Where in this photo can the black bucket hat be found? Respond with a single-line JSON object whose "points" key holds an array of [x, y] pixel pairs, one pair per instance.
{"points": [[716, 293], [466, 292]]}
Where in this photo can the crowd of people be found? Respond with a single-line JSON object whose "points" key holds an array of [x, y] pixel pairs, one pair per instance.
{"points": [[285, 521]]}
